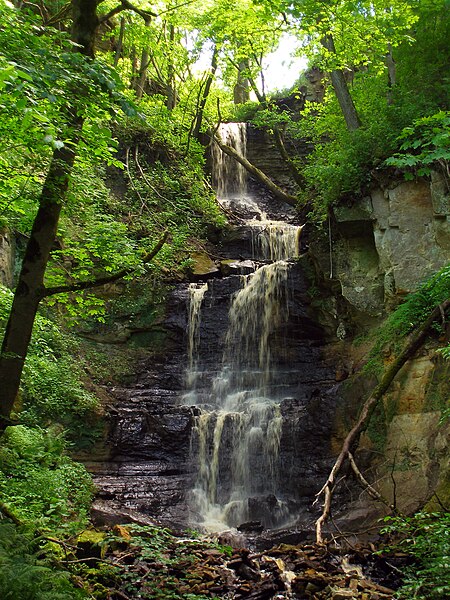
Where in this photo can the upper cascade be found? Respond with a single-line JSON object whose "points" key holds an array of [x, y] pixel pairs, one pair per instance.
{"points": [[229, 178]]}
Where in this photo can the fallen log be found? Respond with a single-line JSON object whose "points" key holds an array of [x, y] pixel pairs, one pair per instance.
{"points": [[262, 177]]}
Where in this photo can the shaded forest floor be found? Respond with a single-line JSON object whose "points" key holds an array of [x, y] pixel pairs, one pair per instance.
{"points": [[139, 562]]}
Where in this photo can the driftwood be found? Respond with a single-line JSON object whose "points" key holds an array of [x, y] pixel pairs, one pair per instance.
{"points": [[275, 189], [352, 439]]}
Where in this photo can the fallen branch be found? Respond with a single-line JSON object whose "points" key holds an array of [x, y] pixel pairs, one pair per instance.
{"points": [[9, 514], [351, 441], [277, 191], [366, 485]]}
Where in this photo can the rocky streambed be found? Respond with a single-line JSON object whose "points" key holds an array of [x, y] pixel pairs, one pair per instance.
{"points": [[149, 562]]}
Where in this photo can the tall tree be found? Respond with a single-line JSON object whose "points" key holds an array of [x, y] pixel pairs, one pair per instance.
{"points": [[344, 35], [30, 285]]}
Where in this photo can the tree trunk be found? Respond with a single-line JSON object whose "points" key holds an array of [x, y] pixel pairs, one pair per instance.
{"points": [[279, 142], [202, 104], [139, 84], [241, 92], [120, 42], [171, 89], [341, 90], [392, 74], [30, 284], [277, 191]]}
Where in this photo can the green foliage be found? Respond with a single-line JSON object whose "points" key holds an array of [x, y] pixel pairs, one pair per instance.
{"points": [[52, 388], [425, 145], [342, 163], [415, 309], [39, 482], [426, 538], [41, 82], [26, 574]]}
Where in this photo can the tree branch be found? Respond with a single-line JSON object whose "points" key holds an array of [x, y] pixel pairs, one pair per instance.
{"points": [[366, 485], [125, 5], [352, 439], [277, 191], [84, 285]]}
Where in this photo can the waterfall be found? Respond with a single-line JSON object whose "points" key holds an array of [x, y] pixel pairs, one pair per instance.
{"points": [[236, 437], [196, 294], [229, 178]]}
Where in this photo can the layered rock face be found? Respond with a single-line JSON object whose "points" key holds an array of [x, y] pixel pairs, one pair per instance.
{"points": [[149, 466], [386, 244], [382, 247], [223, 428]]}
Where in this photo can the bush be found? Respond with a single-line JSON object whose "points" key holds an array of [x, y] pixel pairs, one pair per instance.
{"points": [[39, 483], [426, 538], [25, 575]]}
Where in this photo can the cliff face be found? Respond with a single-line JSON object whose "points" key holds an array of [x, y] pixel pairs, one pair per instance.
{"points": [[390, 241], [383, 247]]}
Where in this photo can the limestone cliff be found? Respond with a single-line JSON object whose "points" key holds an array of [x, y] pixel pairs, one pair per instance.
{"points": [[383, 246]]}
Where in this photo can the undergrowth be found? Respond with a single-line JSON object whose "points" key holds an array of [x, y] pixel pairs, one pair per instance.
{"points": [[426, 538], [415, 309]]}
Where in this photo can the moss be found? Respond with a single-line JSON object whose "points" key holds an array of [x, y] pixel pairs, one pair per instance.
{"points": [[91, 542], [377, 428], [436, 395]]}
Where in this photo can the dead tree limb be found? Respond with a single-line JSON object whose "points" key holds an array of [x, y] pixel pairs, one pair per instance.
{"points": [[352, 439], [277, 191], [366, 485]]}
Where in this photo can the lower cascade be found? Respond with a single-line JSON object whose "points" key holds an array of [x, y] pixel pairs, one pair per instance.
{"points": [[237, 434]]}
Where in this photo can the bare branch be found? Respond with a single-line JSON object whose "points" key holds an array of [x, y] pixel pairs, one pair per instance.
{"points": [[125, 5]]}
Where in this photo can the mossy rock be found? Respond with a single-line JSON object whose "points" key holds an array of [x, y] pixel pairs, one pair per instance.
{"points": [[91, 544]]}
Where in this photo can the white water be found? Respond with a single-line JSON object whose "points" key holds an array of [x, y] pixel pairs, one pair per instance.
{"points": [[237, 435]]}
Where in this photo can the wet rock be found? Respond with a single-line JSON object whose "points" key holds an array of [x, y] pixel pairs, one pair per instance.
{"points": [[203, 266], [251, 527], [236, 267]]}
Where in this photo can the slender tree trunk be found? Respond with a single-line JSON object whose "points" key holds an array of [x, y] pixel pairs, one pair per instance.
{"points": [[141, 79], [120, 42], [30, 284], [279, 142], [392, 73], [241, 92], [202, 104], [31, 279], [341, 90], [171, 90]]}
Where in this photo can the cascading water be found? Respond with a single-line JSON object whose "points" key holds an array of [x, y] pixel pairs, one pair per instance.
{"points": [[237, 434]]}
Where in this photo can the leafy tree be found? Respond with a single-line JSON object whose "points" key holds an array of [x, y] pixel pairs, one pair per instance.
{"points": [[87, 88], [346, 35]]}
